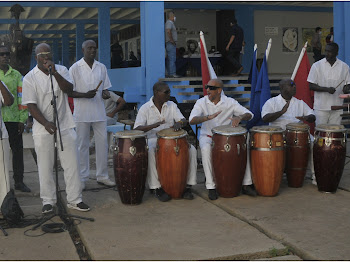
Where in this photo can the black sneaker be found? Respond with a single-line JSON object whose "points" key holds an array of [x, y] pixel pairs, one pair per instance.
{"points": [[188, 194], [47, 209], [81, 206], [22, 187], [213, 195], [249, 190], [162, 195]]}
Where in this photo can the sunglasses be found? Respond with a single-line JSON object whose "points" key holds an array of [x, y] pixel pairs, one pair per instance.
{"points": [[211, 87], [4, 53]]}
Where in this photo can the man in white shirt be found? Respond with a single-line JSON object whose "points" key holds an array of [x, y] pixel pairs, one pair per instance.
{"points": [[113, 104], [6, 98], [89, 111], [216, 109], [155, 115], [329, 78], [285, 108], [37, 94]]}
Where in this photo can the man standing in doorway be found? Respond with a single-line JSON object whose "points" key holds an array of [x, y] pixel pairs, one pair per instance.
{"points": [[89, 111], [316, 44], [170, 44], [14, 117], [234, 47]]}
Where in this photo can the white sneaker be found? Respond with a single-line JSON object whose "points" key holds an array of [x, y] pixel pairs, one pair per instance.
{"points": [[106, 182], [314, 179]]}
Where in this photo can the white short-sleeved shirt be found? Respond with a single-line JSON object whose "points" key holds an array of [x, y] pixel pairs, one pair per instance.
{"points": [[4, 133], [37, 90], [228, 106], [149, 114], [85, 79], [323, 74], [296, 108], [111, 103]]}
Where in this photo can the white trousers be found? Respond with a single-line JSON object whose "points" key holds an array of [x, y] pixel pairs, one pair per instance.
{"points": [[4, 168], [152, 177], [205, 145], [101, 146], [328, 117], [45, 150]]}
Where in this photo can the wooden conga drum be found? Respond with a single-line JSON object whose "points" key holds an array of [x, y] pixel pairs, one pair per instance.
{"points": [[130, 161], [229, 158], [172, 160], [267, 158], [297, 153], [329, 155]]}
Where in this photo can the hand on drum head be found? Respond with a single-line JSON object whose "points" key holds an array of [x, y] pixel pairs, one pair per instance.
{"points": [[343, 96], [301, 118], [177, 126], [235, 120]]}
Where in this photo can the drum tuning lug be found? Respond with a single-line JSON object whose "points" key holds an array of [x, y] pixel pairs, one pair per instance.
{"points": [[227, 147], [176, 148], [116, 149], [269, 143], [327, 141], [132, 150], [244, 146], [296, 141], [212, 144], [157, 147], [238, 149]]}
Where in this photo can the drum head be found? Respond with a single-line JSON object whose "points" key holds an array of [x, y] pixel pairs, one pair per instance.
{"points": [[130, 134], [330, 128], [297, 127], [171, 134], [229, 130], [266, 129]]}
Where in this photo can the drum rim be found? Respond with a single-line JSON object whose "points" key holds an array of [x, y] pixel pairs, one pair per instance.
{"points": [[291, 126], [252, 130], [331, 130], [136, 135], [229, 134], [172, 137]]}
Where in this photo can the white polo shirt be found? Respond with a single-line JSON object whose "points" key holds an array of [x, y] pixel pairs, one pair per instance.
{"points": [[149, 114], [229, 107], [4, 133], [37, 90], [85, 79], [296, 108], [323, 74]]}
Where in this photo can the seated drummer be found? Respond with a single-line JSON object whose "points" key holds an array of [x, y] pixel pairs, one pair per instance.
{"points": [[157, 114], [216, 109], [285, 108]]}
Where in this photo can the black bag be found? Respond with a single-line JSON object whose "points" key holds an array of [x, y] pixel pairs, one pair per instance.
{"points": [[11, 210]]}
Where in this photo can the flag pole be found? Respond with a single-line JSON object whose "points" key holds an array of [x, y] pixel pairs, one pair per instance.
{"points": [[201, 36], [268, 49], [299, 61]]}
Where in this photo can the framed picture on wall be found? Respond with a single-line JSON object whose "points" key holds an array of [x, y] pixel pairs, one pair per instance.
{"points": [[307, 34], [290, 39]]}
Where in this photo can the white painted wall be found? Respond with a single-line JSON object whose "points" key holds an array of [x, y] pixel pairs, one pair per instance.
{"points": [[279, 61]]}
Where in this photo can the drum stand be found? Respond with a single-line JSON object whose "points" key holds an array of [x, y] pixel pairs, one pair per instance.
{"points": [[63, 215]]}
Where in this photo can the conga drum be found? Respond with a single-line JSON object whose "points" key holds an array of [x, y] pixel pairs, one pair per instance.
{"points": [[229, 157], [329, 155], [267, 158], [130, 161], [297, 153], [172, 160]]}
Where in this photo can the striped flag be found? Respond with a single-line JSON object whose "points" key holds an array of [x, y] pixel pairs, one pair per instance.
{"points": [[208, 72]]}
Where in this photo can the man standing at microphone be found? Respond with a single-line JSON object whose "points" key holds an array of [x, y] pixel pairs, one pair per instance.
{"points": [[37, 94]]}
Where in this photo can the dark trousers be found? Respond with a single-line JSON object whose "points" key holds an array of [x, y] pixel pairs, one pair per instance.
{"points": [[233, 57], [16, 144]]}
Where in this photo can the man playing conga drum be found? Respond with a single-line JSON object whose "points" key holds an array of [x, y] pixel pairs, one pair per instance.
{"points": [[157, 114], [214, 110]]}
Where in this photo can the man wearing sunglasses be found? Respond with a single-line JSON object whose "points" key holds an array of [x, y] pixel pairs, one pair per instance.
{"points": [[37, 94], [216, 109], [157, 114], [14, 117]]}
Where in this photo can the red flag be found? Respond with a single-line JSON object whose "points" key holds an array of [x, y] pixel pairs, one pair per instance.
{"points": [[303, 91], [208, 72]]}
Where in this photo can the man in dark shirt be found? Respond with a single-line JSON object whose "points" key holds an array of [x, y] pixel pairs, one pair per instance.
{"points": [[234, 47]]}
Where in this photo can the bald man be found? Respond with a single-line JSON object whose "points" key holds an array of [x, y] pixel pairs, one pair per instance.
{"points": [[216, 109], [89, 111]]}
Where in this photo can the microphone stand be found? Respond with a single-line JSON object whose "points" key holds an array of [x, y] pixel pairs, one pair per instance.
{"points": [[63, 215]]}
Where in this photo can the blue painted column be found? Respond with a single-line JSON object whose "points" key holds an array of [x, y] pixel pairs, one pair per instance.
{"points": [[342, 29], [65, 50], [152, 33], [56, 54], [80, 38], [104, 36]]}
